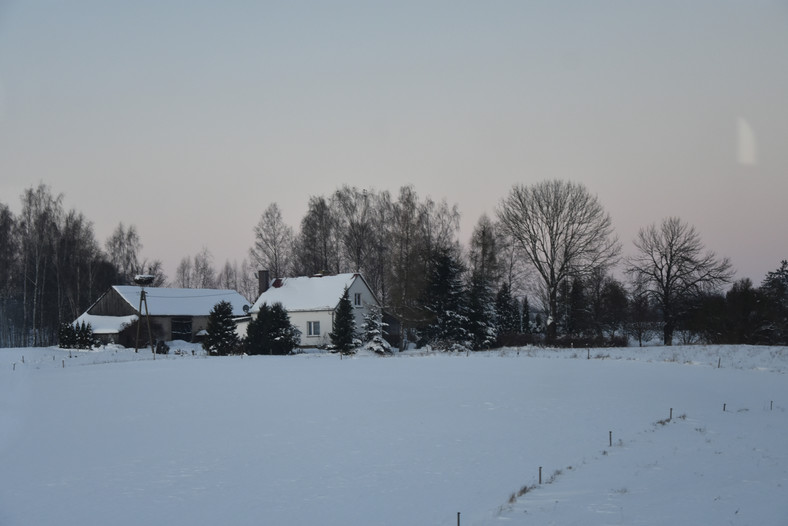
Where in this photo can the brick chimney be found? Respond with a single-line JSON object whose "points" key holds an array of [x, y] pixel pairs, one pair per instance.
{"points": [[263, 279]]}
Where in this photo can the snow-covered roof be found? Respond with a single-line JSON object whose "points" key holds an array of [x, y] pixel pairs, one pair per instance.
{"points": [[106, 324], [306, 293], [182, 302]]}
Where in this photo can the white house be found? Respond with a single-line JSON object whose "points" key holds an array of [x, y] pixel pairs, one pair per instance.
{"points": [[311, 302]]}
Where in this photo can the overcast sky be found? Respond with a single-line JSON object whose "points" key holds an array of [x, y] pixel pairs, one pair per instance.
{"points": [[186, 119]]}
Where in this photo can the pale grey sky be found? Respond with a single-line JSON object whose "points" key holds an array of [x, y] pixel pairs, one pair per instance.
{"points": [[187, 119]]}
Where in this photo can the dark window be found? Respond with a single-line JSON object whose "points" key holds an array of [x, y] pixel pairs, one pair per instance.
{"points": [[182, 329]]}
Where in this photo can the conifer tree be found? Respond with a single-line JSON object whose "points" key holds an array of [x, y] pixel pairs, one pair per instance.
{"points": [[271, 332], [374, 330], [482, 323], [344, 327], [445, 300], [222, 338]]}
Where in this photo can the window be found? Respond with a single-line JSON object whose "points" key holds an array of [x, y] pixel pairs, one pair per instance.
{"points": [[182, 329], [357, 299], [313, 328]]}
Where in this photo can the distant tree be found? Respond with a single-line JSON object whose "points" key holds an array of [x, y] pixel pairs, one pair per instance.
{"points": [[482, 318], [774, 290], [9, 252], [221, 339], [525, 317], [674, 268], [746, 315], [508, 312], [183, 274], [271, 332], [123, 248], [641, 323], [562, 229], [317, 245], [203, 272], [273, 242], [344, 326], [483, 254]]}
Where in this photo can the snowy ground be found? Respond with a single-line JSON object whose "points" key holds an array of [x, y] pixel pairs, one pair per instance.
{"points": [[113, 437]]}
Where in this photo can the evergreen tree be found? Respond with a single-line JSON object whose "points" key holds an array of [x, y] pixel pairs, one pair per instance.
{"points": [[374, 330], [344, 327], [271, 332], [222, 338], [775, 290], [525, 324], [482, 323], [508, 311], [445, 301]]}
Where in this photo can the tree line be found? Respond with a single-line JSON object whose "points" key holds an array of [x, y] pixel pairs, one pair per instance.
{"points": [[543, 269]]}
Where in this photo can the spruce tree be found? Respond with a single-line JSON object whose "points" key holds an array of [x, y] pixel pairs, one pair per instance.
{"points": [[271, 332], [222, 338], [481, 315], [374, 330], [445, 300], [344, 326]]}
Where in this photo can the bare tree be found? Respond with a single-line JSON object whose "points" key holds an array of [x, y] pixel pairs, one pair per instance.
{"points": [[123, 248], [183, 274], [273, 242], [674, 266], [562, 229], [203, 273]]}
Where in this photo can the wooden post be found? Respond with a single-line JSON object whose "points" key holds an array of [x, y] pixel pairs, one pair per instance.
{"points": [[458, 518], [719, 361], [723, 407], [540, 474], [588, 352], [64, 364], [671, 414], [610, 435], [14, 369], [771, 405], [23, 358]]}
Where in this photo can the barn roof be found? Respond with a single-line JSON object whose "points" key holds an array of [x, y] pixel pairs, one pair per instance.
{"points": [[181, 302]]}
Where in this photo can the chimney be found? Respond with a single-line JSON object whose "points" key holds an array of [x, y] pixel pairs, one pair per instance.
{"points": [[262, 281]]}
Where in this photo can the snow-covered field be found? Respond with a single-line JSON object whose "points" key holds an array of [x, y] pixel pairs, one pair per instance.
{"points": [[110, 437]]}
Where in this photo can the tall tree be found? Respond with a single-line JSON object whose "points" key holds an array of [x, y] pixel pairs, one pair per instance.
{"points": [[775, 290], [562, 229], [37, 231], [123, 248], [203, 272], [273, 243], [183, 274], [674, 266], [445, 302], [343, 333], [317, 246]]}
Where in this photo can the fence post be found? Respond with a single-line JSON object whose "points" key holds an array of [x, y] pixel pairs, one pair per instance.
{"points": [[540, 474], [610, 434], [671, 414], [458, 518], [723, 407]]}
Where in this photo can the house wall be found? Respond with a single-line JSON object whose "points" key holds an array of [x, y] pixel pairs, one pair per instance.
{"points": [[367, 299], [300, 318]]}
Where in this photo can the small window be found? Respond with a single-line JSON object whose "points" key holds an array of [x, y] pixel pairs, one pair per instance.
{"points": [[313, 328], [357, 299]]}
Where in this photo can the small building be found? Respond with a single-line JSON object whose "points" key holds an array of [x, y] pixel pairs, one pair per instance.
{"points": [[175, 314], [311, 302]]}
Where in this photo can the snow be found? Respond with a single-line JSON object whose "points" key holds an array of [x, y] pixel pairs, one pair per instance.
{"points": [[114, 437], [182, 302], [307, 292]]}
